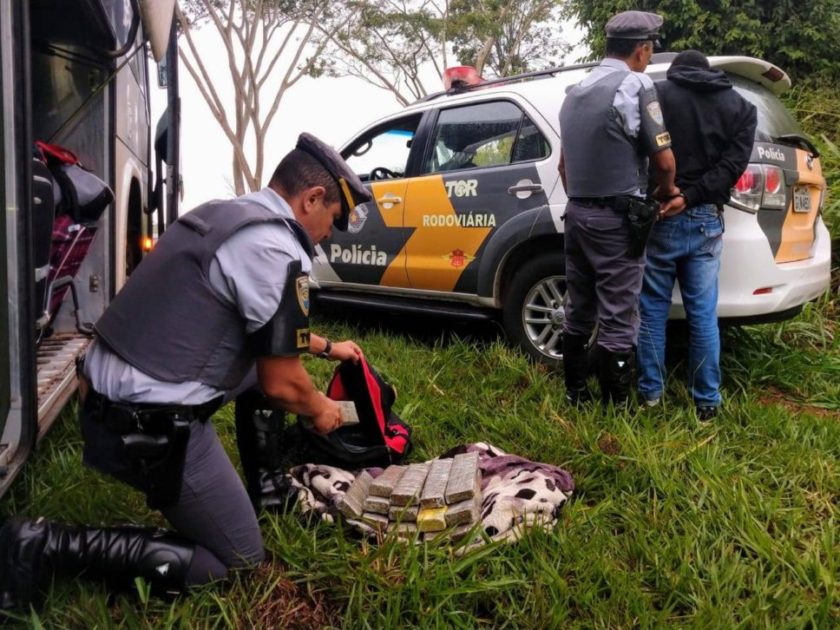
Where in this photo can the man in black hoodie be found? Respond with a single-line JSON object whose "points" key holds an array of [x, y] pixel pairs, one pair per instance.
{"points": [[712, 130]]}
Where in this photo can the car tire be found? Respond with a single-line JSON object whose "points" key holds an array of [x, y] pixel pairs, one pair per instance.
{"points": [[533, 313]]}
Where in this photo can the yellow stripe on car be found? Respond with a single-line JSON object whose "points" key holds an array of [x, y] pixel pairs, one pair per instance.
{"points": [[798, 228]]}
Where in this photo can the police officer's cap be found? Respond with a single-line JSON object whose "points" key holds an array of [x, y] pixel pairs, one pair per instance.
{"points": [[638, 25], [351, 190]]}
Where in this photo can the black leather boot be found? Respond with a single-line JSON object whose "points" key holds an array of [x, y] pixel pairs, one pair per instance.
{"points": [[615, 376], [575, 368], [259, 437], [33, 551]]}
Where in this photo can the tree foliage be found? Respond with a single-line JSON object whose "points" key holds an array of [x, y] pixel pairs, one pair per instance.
{"points": [[404, 45], [268, 46], [506, 37], [800, 36]]}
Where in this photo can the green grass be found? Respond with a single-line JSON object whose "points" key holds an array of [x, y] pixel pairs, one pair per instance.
{"points": [[673, 523]]}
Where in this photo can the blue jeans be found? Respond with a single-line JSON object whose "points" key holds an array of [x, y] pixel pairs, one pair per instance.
{"points": [[685, 247]]}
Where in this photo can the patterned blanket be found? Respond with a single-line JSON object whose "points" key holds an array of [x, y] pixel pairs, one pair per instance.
{"points": [[516, 493]]}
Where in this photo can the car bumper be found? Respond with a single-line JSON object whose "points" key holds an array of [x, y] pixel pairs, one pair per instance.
{"points": [[747, 267]]}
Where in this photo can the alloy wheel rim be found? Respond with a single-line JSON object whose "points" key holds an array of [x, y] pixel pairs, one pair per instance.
{"points": [[543, 315]]}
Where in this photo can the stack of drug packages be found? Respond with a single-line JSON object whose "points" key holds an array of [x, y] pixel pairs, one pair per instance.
{"points": [[422, 499]]}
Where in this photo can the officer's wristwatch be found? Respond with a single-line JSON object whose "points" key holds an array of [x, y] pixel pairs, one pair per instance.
{"points": [[325, 353]]}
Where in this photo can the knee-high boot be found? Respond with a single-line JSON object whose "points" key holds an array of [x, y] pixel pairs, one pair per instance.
{"points": [[575, 368], [615, 376], [259, 437], [33, 551]]}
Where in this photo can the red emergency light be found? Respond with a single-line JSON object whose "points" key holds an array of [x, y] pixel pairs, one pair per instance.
{"points": [[459, 77]]}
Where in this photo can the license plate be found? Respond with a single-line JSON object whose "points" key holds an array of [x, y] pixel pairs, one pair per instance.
{"points": [[801, 199]]}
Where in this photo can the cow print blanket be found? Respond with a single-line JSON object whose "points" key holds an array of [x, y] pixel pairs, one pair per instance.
{"points": [[516, 493]]}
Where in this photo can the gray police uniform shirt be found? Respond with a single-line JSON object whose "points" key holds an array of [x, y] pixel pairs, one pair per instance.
{"points": [[248, 271], [626, 101]]}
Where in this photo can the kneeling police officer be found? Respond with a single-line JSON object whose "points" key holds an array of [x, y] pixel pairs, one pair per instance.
{"points": [[224, 290]]}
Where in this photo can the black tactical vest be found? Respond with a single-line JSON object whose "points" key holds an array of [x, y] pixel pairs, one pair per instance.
{"points": [[167, 321], [601, 160]]}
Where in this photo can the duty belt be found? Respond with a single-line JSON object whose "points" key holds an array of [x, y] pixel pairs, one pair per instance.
{"points": [[619, 204], [124, 418]]}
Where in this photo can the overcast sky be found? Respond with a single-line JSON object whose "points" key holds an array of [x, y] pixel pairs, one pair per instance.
{"points": [[332, 109]]}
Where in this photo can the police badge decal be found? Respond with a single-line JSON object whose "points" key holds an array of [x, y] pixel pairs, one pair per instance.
{"points": [[358, 216]]}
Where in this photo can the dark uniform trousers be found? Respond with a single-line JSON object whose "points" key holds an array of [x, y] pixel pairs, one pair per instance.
{"points": [[603, 282], [213, 509]]}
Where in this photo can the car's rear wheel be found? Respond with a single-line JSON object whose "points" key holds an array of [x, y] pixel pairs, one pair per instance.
{"points": [[533, 312]]}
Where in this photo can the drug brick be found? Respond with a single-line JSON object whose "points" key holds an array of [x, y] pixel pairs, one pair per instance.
{"points": [[352, 503], [377, 521], [377, 505], [464, 512], [431, 519], [384, 484], [404, 514], [408, 488], [434, 489], [462, 478], [402, 528]]}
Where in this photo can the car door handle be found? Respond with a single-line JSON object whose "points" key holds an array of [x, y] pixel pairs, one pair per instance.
{"points": [[389, 201], [520, 188]]}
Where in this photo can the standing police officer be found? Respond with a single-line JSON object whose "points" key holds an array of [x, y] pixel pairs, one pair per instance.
{"points": [[225, 288], [610, 124]]}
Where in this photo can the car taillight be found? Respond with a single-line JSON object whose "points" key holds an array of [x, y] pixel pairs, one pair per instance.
{"points": [[746, 193], [760, 186], [774, 187]]}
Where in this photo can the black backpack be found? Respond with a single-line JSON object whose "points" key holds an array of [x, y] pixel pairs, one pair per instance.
{"points": [[381, 438]]}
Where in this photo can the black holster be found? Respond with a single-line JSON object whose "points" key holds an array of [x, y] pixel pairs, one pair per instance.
{"points": [[154, 440], [641, 214], [159, 454]]}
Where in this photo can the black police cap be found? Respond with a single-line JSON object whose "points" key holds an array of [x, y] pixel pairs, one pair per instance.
{"points": [[351, 189]]}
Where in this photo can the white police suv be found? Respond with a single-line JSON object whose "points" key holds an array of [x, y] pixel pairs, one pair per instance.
{"points": [[466, 217]]}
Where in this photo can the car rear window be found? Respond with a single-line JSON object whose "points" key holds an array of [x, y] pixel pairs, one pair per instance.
{"points": [[774, 120]]}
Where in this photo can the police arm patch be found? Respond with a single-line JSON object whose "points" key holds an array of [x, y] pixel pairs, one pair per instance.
{"points": [[287, 332], [655, 113]]}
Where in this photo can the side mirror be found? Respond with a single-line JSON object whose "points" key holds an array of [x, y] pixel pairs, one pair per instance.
{"points": [[157, 16]]}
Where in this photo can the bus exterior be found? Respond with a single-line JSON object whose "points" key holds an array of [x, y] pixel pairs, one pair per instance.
{"points": [[74, 73]]}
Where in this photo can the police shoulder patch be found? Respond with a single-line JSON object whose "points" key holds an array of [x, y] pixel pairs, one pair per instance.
{"points": [[655, 112], [302, 290], [663, 139]]}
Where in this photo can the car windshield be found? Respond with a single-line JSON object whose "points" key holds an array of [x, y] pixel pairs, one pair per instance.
{"points": [[774, 120]]}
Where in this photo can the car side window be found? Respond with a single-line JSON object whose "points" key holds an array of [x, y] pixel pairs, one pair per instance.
{"points": [[382, 153], [485, 134]]}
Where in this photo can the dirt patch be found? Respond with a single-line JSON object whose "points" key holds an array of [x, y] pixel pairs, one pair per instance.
{"points": [[775, 396], [609, 444], [286, 605]]}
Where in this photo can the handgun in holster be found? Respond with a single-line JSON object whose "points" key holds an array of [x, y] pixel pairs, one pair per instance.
{"points": [[160, 455], [641, 214]]}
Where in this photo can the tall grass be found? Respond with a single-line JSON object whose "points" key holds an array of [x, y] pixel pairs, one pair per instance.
{"points": [[673, 523]]}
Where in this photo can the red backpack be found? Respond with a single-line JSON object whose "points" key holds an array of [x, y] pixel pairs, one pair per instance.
{"points": [[381, 437]]}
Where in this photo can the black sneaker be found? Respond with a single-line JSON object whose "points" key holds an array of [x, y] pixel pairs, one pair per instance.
{"points": [[704, 414]]}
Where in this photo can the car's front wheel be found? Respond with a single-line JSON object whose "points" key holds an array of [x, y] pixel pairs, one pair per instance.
{"points": [[533, 312]]}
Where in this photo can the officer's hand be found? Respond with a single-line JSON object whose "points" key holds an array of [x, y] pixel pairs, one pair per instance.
{"points": [[346, 351], [671, 207], [328, 419]]}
